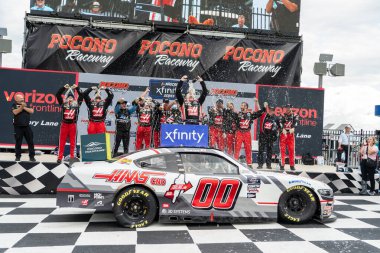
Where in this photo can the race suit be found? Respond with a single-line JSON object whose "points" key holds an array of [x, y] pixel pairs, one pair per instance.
{"points": [[267, 136], [229, 126], [287, 140], [216, 128], [97, 112], [144, 128], [69, 118], [191, 110], [123, 127], [244, 122]]}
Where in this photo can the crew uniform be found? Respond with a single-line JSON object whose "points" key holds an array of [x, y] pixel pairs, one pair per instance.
{"points": [[143, 133], [123, 126], [287, 140], [216, 127], [97, 112], [21, 130], [269, 125], [191, 110], [159, 118], [69, 118], [229, 126], [244, 121]]}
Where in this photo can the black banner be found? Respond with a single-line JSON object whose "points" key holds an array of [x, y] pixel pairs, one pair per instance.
{"points": [[308, 104], [164, 55], [38, 89]]}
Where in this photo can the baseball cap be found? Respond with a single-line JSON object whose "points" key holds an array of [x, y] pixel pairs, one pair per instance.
{"points": [[95, 4], [219, 101], [122, 101], [288, 105], [271, 107]]}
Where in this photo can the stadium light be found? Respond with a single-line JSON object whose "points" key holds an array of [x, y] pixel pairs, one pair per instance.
{"points": [[322, 68], [5, 45]]}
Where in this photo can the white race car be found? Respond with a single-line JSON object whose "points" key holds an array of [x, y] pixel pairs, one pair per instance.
{"points": [[191, 185]]}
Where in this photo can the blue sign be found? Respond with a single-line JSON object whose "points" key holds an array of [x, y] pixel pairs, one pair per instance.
{"points": [[160, 89], [377, 110], [184, 136]]}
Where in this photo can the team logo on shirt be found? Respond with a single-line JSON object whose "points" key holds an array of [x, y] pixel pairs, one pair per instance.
{"points": [[192, 111], [97, 112], [244, 123], [69, 114], [145, 118], [268, 125]]}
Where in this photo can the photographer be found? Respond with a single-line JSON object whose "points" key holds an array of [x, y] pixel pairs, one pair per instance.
{"points": [[368, 165]]}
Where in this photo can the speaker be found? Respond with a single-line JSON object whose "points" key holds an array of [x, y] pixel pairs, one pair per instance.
{"points": [[337, 69], [320, 68]]}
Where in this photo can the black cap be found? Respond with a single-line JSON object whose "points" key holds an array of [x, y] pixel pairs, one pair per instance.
{"points": [[271, 107], [219, 101], [289, 105], [166, 100]]}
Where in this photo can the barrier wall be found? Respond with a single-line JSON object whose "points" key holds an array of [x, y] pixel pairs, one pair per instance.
{"points": [[21, 178]]}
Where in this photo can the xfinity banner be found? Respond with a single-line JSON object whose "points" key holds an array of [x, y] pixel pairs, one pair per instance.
{"points": [[308, 104], [38, 89], [160, 89], [184, 136], [163, 55]]}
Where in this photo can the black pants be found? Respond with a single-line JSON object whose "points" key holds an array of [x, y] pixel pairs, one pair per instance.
{"points": [[20, 133], [265, 145], [345, 151], [368, 173], [121, 136]]}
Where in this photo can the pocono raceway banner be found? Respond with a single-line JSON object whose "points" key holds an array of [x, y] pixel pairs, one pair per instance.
{"points": [[162, 55], [40, 87], [308, 103]]}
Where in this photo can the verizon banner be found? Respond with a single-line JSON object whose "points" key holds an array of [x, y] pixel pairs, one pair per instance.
{"points": [[39, 89], [308, 104], [163, 55]]}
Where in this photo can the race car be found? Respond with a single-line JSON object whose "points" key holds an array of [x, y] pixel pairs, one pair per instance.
{"points": [[191, 185]]}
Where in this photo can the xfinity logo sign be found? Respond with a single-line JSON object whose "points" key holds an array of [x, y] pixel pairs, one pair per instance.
{"points": [[160, 89], [184, 136]]}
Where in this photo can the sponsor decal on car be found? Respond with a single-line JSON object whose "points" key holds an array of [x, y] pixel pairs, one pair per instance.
{"points": [[180, 185], [84, 202], [175, 211], [251, 195], [98, 196], [254, 185], [252, 188], [128, 176], [158, 181], [327, 210], [125, 161], [99, 203], [299, 181], [70, 198], [253, 180]]}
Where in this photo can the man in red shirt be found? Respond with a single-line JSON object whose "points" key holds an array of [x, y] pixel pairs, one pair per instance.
{"points": [[97, 110], [69, 117], [288, 122]]}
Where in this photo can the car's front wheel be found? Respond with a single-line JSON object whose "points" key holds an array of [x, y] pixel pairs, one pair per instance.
{"points": [[135, 207], [297, 205]]}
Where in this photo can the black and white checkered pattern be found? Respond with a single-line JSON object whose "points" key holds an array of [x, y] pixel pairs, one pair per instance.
{"points": [[30, 177], [35, 225]]}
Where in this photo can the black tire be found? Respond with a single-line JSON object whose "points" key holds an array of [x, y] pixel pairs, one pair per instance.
{"points": [[297, 205], [135, 207]]}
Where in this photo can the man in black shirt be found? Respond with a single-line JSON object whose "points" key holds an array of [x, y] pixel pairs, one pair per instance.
{"points": [[21, 117], [285, 15]]}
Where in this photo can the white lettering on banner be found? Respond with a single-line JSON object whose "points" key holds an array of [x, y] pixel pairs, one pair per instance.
{"points": [[47, 123], [250, 67], [76, 55], [303, 136], [34, 123], [175, 135], [165, 90], [165, 60]]}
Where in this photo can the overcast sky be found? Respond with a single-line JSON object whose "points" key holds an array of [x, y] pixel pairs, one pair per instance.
{"points": [[348, 29]]}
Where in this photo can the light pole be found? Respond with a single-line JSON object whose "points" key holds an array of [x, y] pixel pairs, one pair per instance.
{"points": [[321, 68], [5, 45]]}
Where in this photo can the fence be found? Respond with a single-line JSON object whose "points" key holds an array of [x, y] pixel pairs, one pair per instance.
{"points": [[330, 146], [224, 13]]}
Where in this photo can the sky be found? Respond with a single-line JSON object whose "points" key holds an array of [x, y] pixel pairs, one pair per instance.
{"points": [[350, 30]]}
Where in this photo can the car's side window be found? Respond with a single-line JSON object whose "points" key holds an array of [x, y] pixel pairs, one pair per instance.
{"points": [[207, 164], [167, 162]]}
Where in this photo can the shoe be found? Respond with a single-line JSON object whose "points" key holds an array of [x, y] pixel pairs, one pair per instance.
{"points": [[269, 167], [17, 159], [282, 167], [59, 161], [259, 167], [364, 188], [292, 168], [32, 159], [371, 193]]}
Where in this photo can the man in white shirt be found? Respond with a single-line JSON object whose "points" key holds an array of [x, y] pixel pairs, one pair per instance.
{"points": [[344, 141], [40, 6], [241, 22]]}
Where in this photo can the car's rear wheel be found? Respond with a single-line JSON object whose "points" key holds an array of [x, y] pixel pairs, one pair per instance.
{"points": [[135, 207], [297, 205]]}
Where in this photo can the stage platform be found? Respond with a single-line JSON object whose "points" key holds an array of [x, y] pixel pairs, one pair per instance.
{"points": [[43, 176]]}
